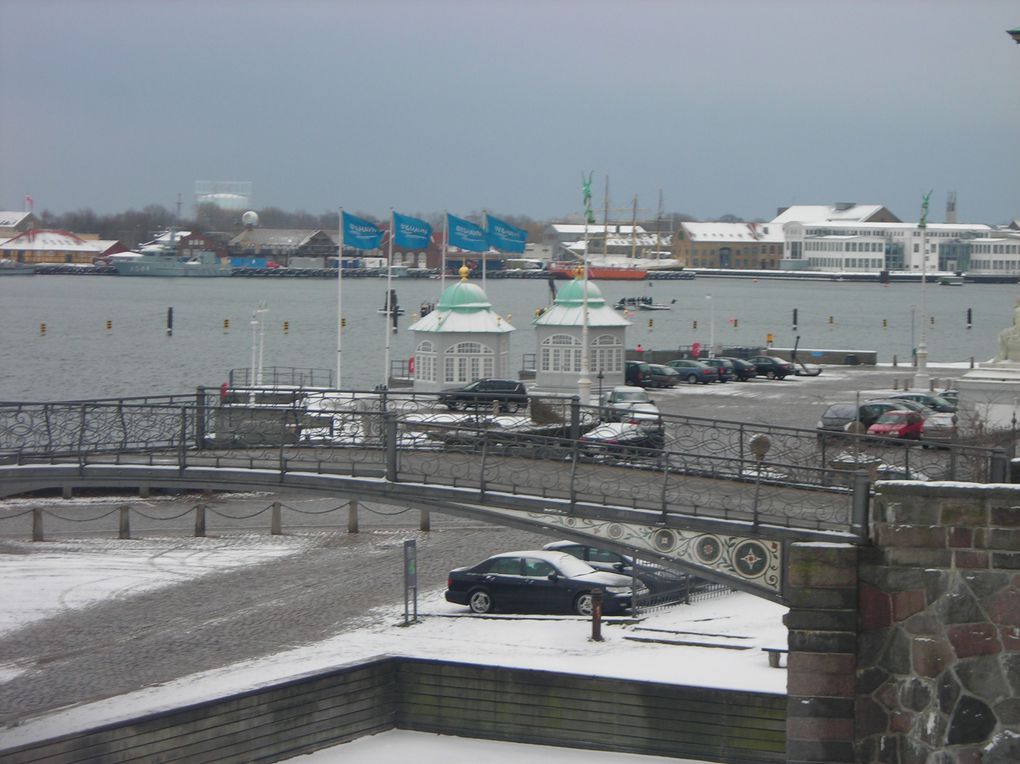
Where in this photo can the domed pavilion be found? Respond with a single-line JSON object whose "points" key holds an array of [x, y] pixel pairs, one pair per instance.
{"points": [[460, 341], [558, 333]]}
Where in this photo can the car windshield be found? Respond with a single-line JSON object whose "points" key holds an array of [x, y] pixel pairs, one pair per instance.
{"points": [[571, 566], [892, 417], [841, 411], [634, 397]]}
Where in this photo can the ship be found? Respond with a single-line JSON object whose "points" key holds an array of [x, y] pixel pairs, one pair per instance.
{"points": [[567, 269], [160, 257]]}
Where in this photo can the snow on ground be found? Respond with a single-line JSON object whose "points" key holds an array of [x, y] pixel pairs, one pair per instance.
{"points": [[33, 585]]}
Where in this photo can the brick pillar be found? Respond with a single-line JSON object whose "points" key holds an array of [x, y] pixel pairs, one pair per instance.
{"points": [[939, 649], [822, 624]]}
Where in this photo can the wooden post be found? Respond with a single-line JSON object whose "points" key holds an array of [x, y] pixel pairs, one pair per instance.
{"points": [[426, 520], [596, 615], [67, 492], [125, 521], [200, 521], [37, 525], [276, 528], [352, 516]]}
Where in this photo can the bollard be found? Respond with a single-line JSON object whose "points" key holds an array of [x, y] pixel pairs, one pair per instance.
{"points": [[67, 492], [352, 516], [596, 615], [972, 362], [37, 525], [895, 361], [200, 521], [125, 521], [275, 526], [426, 521]]}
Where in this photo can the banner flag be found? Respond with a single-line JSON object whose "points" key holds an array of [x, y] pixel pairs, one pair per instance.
{"points": [[465, 234], [410, 233], [360, 234], [506, 237]]}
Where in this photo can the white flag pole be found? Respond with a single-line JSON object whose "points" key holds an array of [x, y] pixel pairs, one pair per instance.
{"points": [[339, 300], [387, 302], [446, 241], [485, 252]]}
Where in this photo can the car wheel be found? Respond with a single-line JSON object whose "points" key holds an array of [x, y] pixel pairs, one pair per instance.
{"points": [[583, 604], [480, 601], [692, 379], [511, 407], [770, 374]]}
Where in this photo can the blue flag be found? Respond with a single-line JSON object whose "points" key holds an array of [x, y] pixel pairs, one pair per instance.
{"points": [[360, 234], [466, 235], [506, 237], [410, 233]]}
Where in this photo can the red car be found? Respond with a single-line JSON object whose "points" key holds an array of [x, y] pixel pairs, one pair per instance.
{"points": [[906, 425]]}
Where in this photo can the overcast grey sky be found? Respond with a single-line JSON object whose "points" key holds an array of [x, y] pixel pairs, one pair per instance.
{"points": [[727, 106]]}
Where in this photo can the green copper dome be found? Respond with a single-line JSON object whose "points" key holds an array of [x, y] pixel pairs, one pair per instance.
{"points": [[464, 297], [572, 295]]}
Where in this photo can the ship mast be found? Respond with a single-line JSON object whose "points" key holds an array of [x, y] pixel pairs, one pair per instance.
{"points": [[605, 223], [633, 231]]}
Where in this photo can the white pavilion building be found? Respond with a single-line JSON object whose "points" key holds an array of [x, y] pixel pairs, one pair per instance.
{"points": [[558, 334], [460, 341]]}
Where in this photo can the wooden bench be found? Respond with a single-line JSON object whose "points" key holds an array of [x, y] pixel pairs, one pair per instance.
{"points": [[775, 653]]}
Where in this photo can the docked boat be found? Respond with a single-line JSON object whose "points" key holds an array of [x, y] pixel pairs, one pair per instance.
{"points": [[566, 269], [951, 281], [12, 268], [160, 257]]}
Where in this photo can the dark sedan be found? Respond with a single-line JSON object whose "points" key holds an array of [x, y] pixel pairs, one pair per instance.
{"points": [[724, 366], [536, 581], [742, 370], [695, 371], [772, 368]]}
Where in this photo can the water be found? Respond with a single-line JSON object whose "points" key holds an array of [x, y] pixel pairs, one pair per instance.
{"points": [[78, 357]]}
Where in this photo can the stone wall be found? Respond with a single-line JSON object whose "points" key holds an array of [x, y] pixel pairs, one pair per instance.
{"points": [[938, 665]]}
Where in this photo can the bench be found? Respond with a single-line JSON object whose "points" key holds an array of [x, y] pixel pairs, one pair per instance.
{"points": [[775, 653]]}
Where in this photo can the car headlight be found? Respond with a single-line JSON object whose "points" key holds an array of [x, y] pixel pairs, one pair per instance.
{"points": [[618, 589]]}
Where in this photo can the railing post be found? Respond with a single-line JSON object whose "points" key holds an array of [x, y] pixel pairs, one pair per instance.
{"points": [[861, 504], [200, 521], [81, 439], [575, 418], [352, 516], [998, 467], [481, 473], [37, 525], [200, 413], [275, 526], [182, 458], [425, 521], [390, 443], [125, 521]]}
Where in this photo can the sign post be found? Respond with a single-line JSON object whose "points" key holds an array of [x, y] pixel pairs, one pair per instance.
{"points": [[410, 581]]}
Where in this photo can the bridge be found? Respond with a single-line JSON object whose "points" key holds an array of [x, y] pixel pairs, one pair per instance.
{"points": [[722, 500]]}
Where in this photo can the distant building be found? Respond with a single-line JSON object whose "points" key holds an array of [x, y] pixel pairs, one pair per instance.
{"points": [[282, 245], [13, 223], [738, 246], [841, 212], [37, 247]]}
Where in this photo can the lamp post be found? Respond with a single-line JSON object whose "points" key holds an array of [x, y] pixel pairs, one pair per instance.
{"points": [[711, 326], [922, 380]]}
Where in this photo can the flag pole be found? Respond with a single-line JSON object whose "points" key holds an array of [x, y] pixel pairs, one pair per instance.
{"points": [[387, 304], [485, 252], [446, 241], [339, 299], [584, 381]]}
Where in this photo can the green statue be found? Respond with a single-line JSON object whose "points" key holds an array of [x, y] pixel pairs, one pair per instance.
{"points": [[924, 210], [589, 216]]}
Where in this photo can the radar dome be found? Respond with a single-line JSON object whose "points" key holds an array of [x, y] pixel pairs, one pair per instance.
{"points": [[250, 218]]}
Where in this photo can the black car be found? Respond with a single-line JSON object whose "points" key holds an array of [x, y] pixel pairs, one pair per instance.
{"points": [[663, 376], [724, 367], [638, 374], [742, 370], [772, 368], [536, 581], [510, 394], [623, 440]]}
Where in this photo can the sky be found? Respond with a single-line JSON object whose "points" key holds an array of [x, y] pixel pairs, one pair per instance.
{"points": [[725, 106], [66, 575]]}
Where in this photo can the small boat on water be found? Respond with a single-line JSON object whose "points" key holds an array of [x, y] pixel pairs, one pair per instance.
{"points": [[951, 281], [390, 299], [642, 303]]}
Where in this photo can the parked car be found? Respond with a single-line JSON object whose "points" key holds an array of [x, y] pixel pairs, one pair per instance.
{"points": [[637, 373], [536, 581], [841, 417], [623, 439], [692, 371], [655, 577], [510, 394], [772, 368], [929, 400], [723, 366], [743, 370], [663, 376], [629, 404], [906, 425]]}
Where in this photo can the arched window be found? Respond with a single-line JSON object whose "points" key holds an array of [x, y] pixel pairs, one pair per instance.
{"points": [[561, 353], [606, 354], [468, 361], [425, 362]]}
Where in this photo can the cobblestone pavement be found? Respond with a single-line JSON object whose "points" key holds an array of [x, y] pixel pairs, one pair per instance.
{"points": [[153, 637]]}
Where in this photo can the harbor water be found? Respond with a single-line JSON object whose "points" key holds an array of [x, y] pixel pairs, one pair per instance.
{"points": [[74, 337]]}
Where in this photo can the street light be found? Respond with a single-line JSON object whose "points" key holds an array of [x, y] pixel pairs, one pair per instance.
{"points": [[711, 326]]}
